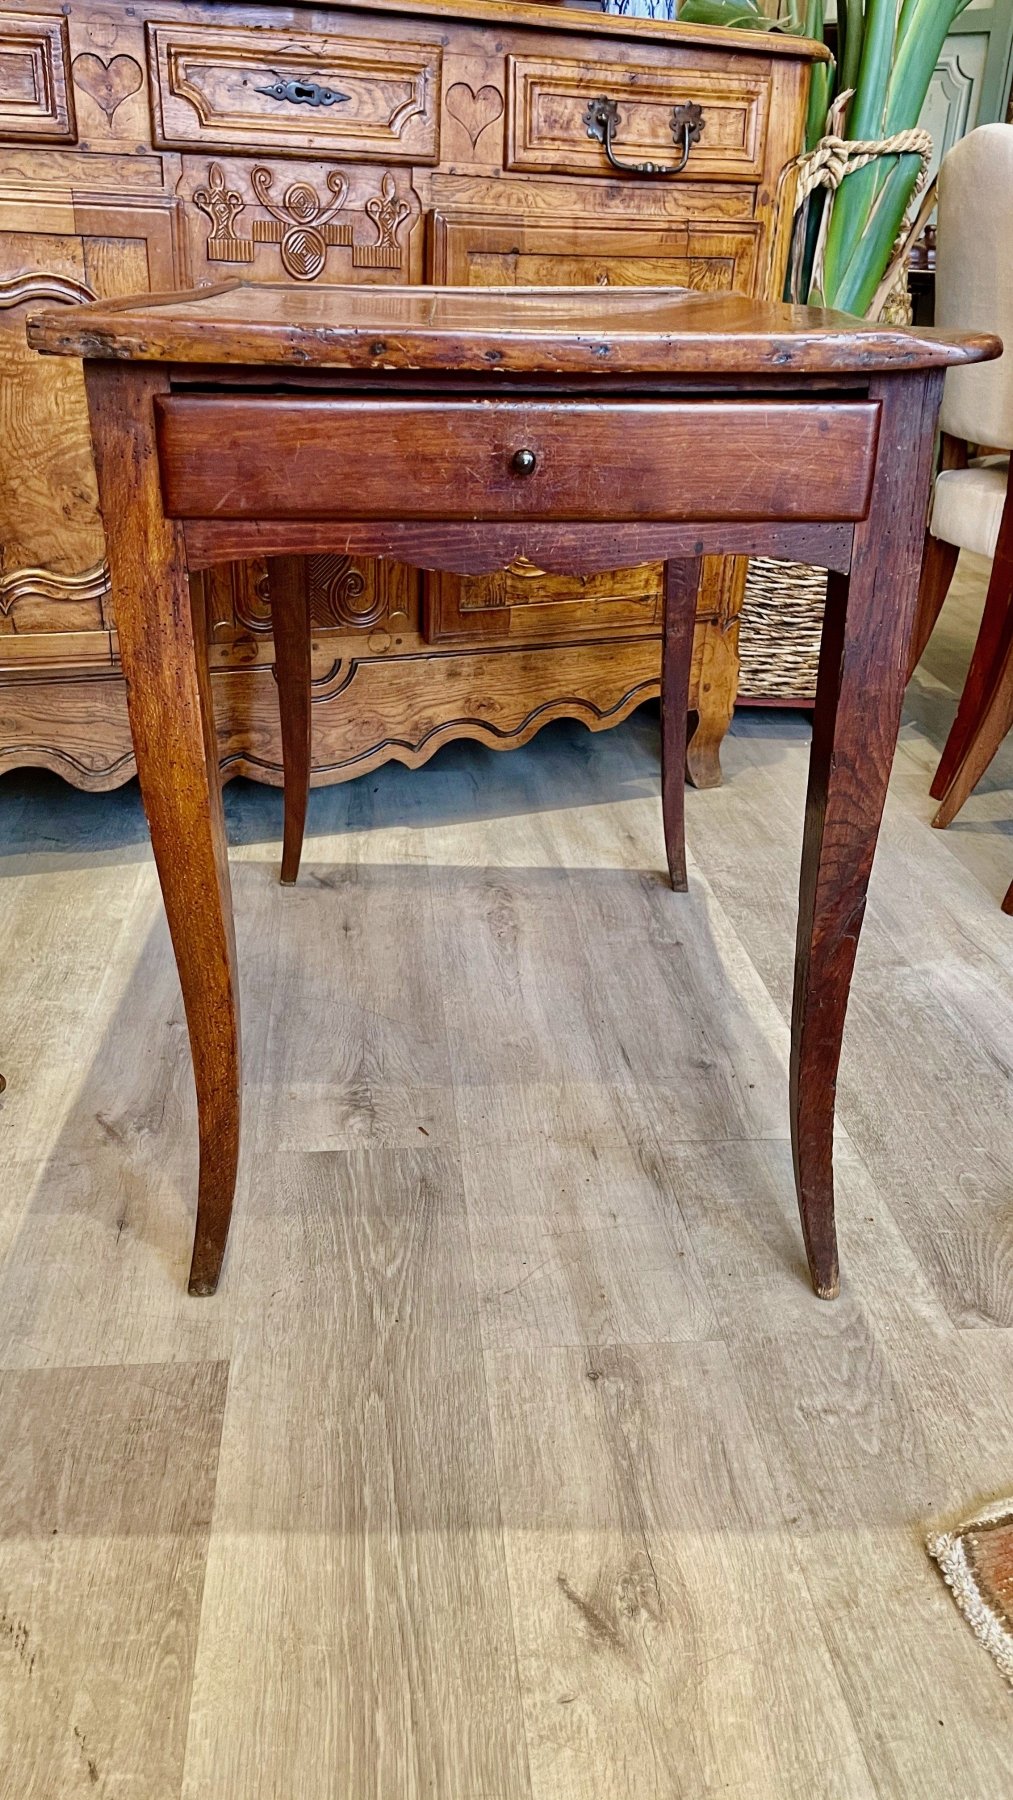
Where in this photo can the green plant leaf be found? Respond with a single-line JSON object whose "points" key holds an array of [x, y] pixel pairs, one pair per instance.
{"points": [[737, 15]]}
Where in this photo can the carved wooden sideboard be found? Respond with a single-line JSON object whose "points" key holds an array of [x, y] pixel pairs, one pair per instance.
{"points": [[153, 145]]}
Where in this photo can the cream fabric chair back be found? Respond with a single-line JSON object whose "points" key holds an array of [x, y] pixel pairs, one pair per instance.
{"points": [[974, 279]]}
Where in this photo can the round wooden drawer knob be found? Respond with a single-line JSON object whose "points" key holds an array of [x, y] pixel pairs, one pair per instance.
{"points": [[524, 462]]}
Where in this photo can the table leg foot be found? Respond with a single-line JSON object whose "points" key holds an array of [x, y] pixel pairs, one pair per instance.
{"points": [[288, 585], [682, 579]]}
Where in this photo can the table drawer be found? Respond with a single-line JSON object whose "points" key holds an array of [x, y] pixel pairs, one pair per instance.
{"points": [[266, 457], [264, 91], [547, 128]]}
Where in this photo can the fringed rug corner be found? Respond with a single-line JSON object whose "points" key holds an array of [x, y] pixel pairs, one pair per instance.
{"points": [[976, 1562]]}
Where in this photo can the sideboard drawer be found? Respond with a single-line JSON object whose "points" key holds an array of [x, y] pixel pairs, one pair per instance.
{"points": [[472, 250], [36, 103], [263, 91], [247, 457], [547, 128]]}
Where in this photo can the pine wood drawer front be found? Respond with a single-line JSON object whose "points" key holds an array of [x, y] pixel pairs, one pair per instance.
{"points": [[547, 125], [35, 99], [254, 457], [263, 91]]}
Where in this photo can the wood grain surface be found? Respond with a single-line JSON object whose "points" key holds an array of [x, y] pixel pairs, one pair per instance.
{"points": [[643, 331]]}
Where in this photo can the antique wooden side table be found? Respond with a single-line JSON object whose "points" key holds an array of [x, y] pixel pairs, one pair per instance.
{"points": [[457, 429]]}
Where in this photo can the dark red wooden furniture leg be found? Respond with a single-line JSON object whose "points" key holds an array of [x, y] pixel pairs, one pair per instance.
{"points": [[682, 580], [860, 689], [939, 560], [164, 655], [991, 649], [288, 586]]}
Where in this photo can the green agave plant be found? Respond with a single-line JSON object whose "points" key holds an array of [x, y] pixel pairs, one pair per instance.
{"points": [[887, 50]]}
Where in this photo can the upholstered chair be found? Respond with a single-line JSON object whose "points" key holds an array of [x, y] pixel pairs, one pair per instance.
{"points": [[972, 506]]}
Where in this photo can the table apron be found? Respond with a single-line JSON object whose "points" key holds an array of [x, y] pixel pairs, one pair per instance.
{"points": [[240, 456]]}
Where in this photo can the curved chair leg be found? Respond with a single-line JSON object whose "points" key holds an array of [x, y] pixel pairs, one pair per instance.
{"points": [[990, 729], [288, 585], [995, 634], [682, 579], [1007, 905], [859, 694], [164, 656]]}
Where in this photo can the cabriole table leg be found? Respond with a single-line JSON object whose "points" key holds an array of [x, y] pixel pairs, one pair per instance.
{"points": [[164, 656]]}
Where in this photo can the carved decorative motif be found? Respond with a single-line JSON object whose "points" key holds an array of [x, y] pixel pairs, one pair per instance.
{"points": [[337, 589], [303, 225], [107, 83], [388, 214], [222, 206], [474, 112], [38, 284], [41, 584]]}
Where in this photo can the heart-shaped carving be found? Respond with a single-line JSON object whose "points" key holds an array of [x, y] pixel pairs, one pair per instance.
{"points": [[108, 84], [475, 112]]}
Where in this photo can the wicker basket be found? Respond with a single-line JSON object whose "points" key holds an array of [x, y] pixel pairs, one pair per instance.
{"points": [[779, 631]]}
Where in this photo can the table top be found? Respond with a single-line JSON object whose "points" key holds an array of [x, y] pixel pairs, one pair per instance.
{"points": [[545, 331]]}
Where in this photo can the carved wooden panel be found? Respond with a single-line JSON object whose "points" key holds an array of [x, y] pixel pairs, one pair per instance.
{"points": [[341, 94], [547, 103], [375, 605], [475, 250], [52, 553], [302, 221], [523, 602], [35, 97]]}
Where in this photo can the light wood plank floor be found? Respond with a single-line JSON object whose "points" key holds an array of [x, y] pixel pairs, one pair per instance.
{"points": [[514, 1460]]}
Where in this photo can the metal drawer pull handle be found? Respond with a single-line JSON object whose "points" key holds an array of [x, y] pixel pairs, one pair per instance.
{"points": [[523, 462], [303, 93], [603, 121]]}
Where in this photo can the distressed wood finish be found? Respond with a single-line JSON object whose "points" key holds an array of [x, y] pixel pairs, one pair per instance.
{"points": [[139, 372], [147, 145], [164, 653], [527, 460], [859, 691]]}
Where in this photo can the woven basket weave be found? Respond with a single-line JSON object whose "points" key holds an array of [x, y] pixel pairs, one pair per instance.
{"points": [[779, 630]]}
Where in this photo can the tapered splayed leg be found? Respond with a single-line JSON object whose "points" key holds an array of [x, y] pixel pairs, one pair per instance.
{"points": [[682, 579], [290, 615], [164, 655], [860, 688]]}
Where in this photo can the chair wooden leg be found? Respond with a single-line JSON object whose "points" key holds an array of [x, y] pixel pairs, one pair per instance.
{"points": [[682, 579], [163, 649], [995, 634], [938, 563], [288, 585], [1007, 905], [991, 727], [860, 689]]}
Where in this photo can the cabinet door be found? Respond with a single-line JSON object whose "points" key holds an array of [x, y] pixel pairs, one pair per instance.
{"points": [[53, 579], [468, 250]]}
